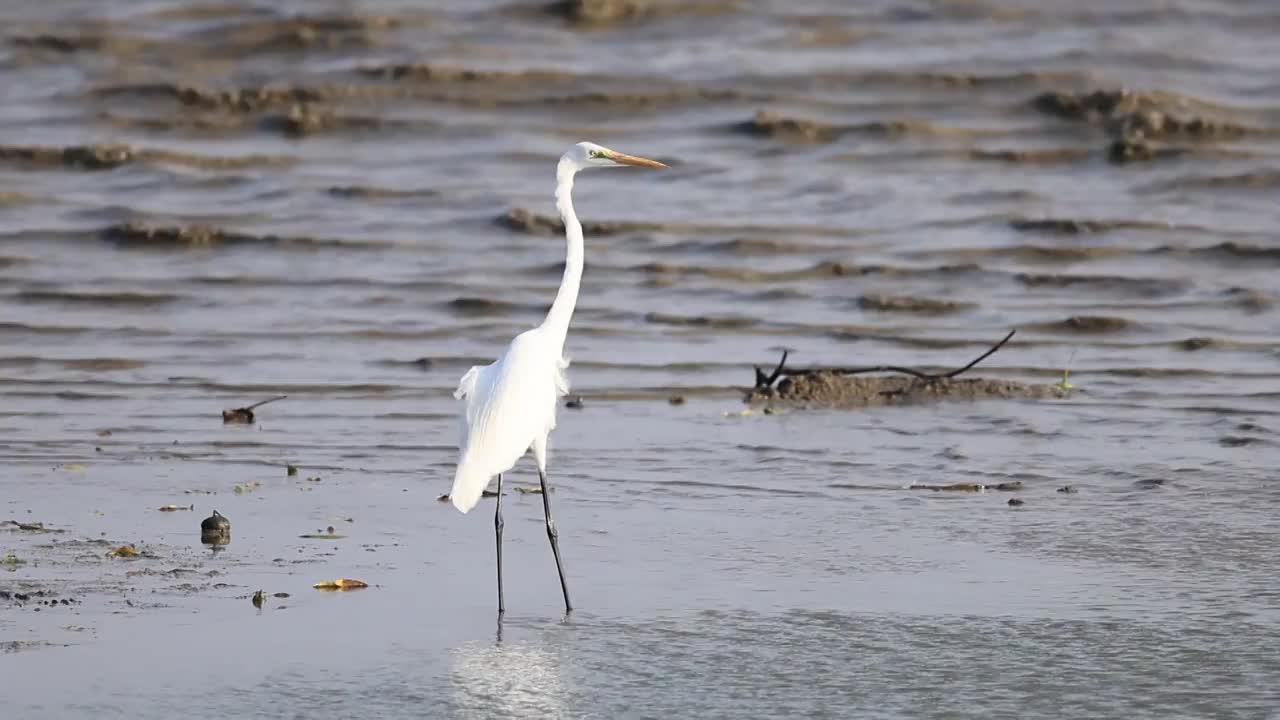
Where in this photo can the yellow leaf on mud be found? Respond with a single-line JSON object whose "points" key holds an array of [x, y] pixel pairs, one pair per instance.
{"points": [[124, 551], [340, 584]]}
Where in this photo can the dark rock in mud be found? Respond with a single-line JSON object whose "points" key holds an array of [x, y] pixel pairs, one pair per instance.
{"points": [[1067, 489], [827, 389], [215, 529], [1016, 502], [914, 305], [1148, 483]]}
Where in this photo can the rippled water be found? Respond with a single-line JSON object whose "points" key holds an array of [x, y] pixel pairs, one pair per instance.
{"points": [[203, 205]]}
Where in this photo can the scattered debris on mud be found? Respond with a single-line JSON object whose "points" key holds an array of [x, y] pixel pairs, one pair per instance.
{"points": [[340, 584]]}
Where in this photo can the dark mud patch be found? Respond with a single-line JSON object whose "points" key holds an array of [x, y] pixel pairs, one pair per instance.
{"points": [[303, 34], [825, 389], [1115, 284], [108, 157], [367, 192], [781, 127], [1085, 325], [704, 321], [246, 99], [1049, 156], [1134, 115], [132, 235], [1031, 254], [911, 305], [1068, 226], [477, 306], [1259, 180], [302, 120], [747, 247], [603, 13], [664, 273], [261, 98], [527, 221], [1229, 252], [1193, 344], [98, 299], [431, 73]]}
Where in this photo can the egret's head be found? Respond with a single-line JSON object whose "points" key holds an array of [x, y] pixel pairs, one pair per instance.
{"points": [[590, 155]]}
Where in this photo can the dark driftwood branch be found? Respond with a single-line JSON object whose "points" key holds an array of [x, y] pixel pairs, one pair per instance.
{"points": [[764, 381], [245, 414]]}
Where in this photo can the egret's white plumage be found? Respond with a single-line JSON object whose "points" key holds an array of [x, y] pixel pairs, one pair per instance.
{"points": [[511, 403]]}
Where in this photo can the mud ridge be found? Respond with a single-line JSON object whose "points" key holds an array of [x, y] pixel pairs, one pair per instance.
{"points": [[912, 305], [140, 235], [1134, 115], [1067, 226], [781, 127], [833, 390], [108, 157], [1085, 325], [1122, 284]]}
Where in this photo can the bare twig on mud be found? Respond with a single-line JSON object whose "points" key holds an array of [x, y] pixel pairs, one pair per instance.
{"points": [[765, 382]]}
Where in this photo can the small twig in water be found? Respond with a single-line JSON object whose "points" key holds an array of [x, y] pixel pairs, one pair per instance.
{"points": [[766, 381]]}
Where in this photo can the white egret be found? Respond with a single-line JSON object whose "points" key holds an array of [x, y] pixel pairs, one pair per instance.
{"points": [[511, 403]]}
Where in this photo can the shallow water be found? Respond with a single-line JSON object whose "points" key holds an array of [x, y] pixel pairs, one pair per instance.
{"points": [[358, 234]]}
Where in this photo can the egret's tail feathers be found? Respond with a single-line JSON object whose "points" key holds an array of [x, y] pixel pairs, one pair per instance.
{"points": [[468, 487]]}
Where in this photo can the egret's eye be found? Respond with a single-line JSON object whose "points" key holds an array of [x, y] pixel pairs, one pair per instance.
{"points": [[597, 154]]}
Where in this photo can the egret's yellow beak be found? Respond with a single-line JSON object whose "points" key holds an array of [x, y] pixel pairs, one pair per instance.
{"points": [[625, 159]]}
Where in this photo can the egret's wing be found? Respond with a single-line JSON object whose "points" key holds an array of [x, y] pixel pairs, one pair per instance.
{"points": [[509, 404], [467, 388], [562, 379]]}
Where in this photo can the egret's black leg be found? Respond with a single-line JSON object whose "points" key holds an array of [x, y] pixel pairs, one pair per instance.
{"points": [[497, 528], [554, 536]]}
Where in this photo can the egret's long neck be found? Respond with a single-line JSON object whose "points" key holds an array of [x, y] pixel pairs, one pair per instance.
{"points": [[557, 322]]}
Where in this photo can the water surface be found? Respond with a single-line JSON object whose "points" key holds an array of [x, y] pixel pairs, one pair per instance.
{"points": [[205, 205]]}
